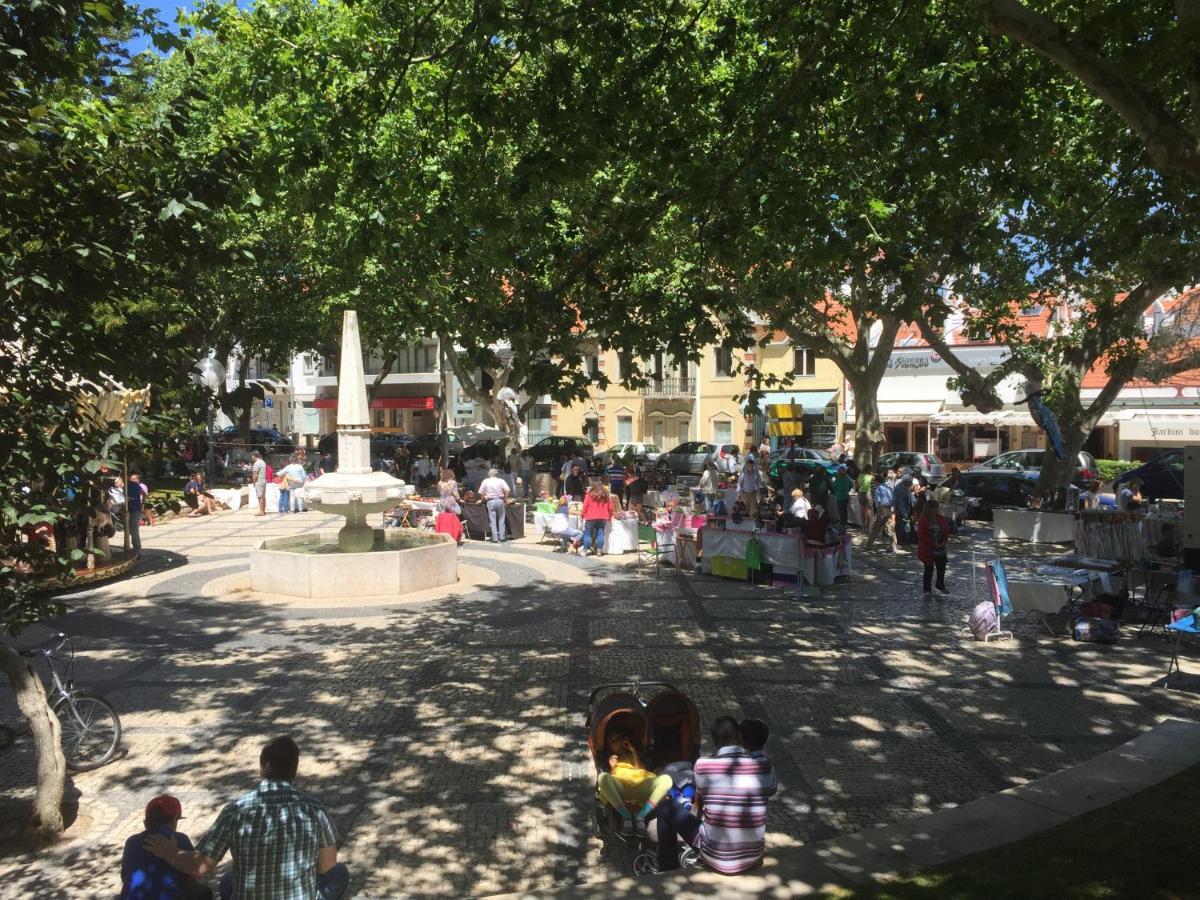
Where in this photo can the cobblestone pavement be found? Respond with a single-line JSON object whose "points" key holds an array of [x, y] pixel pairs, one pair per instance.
{"points": [[447, 735]]}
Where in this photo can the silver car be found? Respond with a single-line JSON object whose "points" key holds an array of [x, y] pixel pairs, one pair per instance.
{"points": [[686, 459], [631, 453]]}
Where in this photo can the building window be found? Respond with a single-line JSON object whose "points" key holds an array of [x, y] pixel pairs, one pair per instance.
{"points": [[624, 429], [593, 365], [379, 418], [684, 431], [591, 430], [722, 432], [724, 357], [804, 362]]}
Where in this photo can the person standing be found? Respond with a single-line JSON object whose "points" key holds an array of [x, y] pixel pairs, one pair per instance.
{"points": [[597, 512], [284, 843], [494, 492], [448, 496], [258, 481], [843, 486], [748, 486], [933, 535], [516, 471], [1129, 499], [866, 488], [133, 506], [402, 459], [708, 483], [285, 491], [575, 483], [882, 499], [1090, 499], [297, 478], [635, 490], [902, 506]]}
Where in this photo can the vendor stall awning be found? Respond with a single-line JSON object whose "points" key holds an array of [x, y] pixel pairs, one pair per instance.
{"points": [[907, 410]]}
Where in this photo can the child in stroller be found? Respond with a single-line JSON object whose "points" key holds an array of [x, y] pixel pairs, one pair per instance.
{"points": [[642, 747], [627, 783]]}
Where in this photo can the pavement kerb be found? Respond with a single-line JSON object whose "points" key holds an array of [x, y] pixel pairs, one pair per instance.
{"points": [[891, 851]]}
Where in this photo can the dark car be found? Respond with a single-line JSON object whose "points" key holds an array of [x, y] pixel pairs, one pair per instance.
{"points": [[386, 443], [546, 452], [802, 461], [265, 440], [1030, 462], [489, 450], [985, 489], [431, 445], [1162, 477], [925, 463]]}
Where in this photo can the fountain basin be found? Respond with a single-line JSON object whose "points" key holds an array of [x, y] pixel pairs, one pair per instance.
{"points": [[312, 565]]}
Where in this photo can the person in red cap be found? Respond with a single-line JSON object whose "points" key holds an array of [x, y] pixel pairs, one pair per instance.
{"points": [[145, 876]]}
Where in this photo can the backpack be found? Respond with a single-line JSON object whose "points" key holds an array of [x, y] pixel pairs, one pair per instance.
{"points": [[1096, 631], [883, 495], [983, 620]]}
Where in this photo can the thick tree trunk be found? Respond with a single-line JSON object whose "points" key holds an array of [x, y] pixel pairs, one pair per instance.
{"points": [[868, 430], [46, 824], [1056, 474]]}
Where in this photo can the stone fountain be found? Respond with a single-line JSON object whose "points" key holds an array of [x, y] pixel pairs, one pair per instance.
{"points": [[362, 561]]}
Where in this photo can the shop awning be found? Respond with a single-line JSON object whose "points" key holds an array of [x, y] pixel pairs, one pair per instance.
{"points": [[1165, 427], [814, 402], [960, 416], [383, 403], [907, 410]]}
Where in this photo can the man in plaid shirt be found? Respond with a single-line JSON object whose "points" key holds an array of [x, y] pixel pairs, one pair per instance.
{"points": [[284, 843]]}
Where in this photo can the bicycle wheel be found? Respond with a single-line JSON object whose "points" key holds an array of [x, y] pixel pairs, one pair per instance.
{"points": [[91, 730]]}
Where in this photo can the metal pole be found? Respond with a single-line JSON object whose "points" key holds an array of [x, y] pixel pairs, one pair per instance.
{"points": [[445, 410], [209, 462]]}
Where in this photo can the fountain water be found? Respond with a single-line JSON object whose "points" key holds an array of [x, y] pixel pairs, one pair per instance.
{"points": [[364, 562]]}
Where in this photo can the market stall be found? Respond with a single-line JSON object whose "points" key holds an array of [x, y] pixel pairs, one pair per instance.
{"points": [[475, 521], [1033, 525], [1109, 534]]}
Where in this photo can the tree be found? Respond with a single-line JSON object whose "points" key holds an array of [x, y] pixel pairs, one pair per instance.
{"points": [[97, 206]]}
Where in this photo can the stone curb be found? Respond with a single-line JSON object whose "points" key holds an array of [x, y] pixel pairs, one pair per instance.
{"points": [[890, 851]]}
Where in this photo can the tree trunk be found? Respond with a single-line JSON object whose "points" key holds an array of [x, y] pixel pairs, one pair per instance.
{"points": [[46, 824], [868, 431], [1056, 474]]}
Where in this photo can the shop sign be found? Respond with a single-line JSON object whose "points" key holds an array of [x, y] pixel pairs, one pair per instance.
{"points": [[1169, 432], [982, 359]]}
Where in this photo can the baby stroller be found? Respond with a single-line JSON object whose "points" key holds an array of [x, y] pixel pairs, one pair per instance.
{"points": [[666, 731]]}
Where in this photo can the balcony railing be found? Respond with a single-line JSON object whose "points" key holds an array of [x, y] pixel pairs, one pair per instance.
{"points": [[670, 387]]}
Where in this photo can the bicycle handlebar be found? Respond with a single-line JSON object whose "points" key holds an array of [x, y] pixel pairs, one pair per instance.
{"points": [[47, 651]]}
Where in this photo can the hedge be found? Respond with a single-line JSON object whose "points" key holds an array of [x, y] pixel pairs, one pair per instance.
{"points": [[1111, 468]]}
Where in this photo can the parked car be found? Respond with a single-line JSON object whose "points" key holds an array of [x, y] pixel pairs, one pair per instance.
{"points": [[490, 450], [1162, 477], [925, 463], [631, 453], [686, 459], [985, 489], [1031, 461], [801, 460], [386, 443], [265, 440], [431, 445], [546, 452]]}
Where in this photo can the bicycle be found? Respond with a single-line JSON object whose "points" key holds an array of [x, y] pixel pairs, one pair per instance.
{"points": [[91, 728]]}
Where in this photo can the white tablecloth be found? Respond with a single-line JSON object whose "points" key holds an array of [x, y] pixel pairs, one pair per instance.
{"points": [[231, 498], [1034, 526], [541, 522], [1110, 536], [621, 536]]}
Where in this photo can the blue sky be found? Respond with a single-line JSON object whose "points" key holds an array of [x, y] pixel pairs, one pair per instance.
{"points": [[167, 11]]}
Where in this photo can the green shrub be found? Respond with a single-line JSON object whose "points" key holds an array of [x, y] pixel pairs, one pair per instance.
{"points": [[1111, 468]]}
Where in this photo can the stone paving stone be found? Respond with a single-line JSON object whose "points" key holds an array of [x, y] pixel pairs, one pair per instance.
{"points": [[448, 739]]}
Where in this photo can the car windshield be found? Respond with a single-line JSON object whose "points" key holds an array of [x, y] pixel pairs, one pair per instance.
{"points": [[650, 448], [822, 454]]}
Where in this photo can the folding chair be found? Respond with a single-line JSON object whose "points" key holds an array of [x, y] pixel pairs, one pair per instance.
{"points": [[998, 591], [648, 537]]}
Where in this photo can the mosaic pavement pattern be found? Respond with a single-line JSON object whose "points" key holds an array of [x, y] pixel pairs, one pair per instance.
{"points": [[447, 736]]}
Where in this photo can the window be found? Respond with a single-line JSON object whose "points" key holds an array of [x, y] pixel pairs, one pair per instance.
{"points": [[659, 431], [683, 430], [591, 430], [722, 432], [624, 429], [804, 362], [379, 418], [724, 358], [593, 365]]}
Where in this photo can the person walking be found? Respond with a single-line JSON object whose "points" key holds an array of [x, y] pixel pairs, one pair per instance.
{"points": [[297, 478], [494, 492], [597, 512], [749, 484], [843, 486], [933, 535], [284, 843], [134, 499], [258, 481], [882, 499]]}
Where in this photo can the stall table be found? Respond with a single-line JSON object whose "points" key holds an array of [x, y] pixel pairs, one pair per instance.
{"points": [[475, 521], [621, 536], [1186, 625]]}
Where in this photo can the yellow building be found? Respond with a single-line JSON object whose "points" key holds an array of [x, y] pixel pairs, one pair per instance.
{"points": [[696, 401]]}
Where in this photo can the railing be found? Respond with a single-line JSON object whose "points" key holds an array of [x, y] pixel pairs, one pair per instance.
{"points": [[670, 387]]}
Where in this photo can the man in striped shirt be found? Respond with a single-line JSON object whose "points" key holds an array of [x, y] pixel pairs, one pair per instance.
{"points": [[733, 787]]}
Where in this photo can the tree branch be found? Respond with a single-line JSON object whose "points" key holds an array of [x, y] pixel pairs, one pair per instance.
{"points": [[1167, 141]]}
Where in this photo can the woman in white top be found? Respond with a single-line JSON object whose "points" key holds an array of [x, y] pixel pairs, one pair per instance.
{"points": [[1090, 499], [800, 505]]}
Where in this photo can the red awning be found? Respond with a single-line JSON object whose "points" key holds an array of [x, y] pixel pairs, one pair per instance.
{"points": [[382, 403]]}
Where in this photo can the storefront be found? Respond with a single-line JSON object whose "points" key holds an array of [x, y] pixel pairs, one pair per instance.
{"points": [[1145, 433], [820, 417]]}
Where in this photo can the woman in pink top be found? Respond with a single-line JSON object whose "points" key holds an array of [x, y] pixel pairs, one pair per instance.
{"points": [[597, 510]]}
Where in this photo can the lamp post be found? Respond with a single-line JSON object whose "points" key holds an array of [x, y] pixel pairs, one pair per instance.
{"points": [[210, 375]]}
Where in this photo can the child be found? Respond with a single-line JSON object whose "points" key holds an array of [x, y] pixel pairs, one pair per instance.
{"points": [[627, 782], [754, 737], [145, 876]]}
